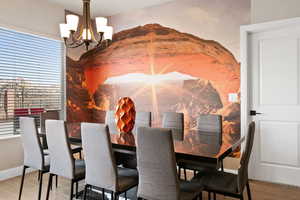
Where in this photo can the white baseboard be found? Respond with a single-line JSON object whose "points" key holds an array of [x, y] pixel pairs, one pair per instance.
{"points": [[13, 172]]}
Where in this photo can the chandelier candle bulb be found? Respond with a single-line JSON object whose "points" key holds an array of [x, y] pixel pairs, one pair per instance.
{"points": [[88, 36], [72, 21], [64, 30], [108, 33], [101, 22]]}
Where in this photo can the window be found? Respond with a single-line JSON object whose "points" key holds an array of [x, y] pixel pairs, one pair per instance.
{"points": [[30, 77]]}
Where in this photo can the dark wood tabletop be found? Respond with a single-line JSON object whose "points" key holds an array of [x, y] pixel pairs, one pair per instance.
{"points": [[196, 145]]}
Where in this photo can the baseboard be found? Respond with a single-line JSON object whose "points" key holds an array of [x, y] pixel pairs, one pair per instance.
{"points": [[13, 172]]}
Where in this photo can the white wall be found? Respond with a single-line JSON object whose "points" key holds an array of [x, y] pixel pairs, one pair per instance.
{"points": [[31, 16], [269, 10]]}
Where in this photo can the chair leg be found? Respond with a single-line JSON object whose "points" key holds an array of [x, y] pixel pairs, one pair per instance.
{"points": [[200, 196], [184, 171], [76, 194], [208, 195], [22, 182], [116, 197], [85, 190], [103, 193], [112, 195], [125, 195], [179, 172], [56, 181], [222, 166], [39, 175], [72, 190], [80, 156], [242, 196], [49, 185], [41, 185], [248, 190], [215, 196]]}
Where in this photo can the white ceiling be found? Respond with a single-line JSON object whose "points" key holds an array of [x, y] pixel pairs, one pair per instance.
{"points": [[108, 7]]}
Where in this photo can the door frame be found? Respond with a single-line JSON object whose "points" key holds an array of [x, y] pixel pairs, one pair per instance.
{"points": [[245, 32]]}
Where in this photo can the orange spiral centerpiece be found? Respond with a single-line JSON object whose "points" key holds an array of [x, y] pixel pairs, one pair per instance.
{"points": [[125, 115]]}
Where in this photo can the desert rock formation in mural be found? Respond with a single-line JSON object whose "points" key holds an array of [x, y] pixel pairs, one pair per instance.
{"points": [[161, 69]]}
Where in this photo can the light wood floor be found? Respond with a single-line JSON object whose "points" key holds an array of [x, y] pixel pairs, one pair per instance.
{"points": [[9, 190]]}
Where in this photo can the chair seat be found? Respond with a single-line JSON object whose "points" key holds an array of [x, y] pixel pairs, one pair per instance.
{"points": [[79, 169], [189, 190], [127, 178], [218, 181]]}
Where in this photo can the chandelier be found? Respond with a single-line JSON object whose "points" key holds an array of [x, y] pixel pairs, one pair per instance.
{"points": [[85, 35]]}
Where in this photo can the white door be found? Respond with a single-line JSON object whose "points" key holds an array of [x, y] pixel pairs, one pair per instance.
{"points": [[274, 78]]}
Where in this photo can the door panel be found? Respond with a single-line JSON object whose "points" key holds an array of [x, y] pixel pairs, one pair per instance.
{"points": [[281, 135], [274, 78], [275, 55]]}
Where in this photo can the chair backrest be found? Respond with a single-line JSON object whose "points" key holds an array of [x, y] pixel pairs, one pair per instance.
{"points": [[142, 119], [243, 170], [111, 122], [175, 122], [61, 159], [33, 153], [156, 164], [51, 114], [101, 169], [210, 124]]}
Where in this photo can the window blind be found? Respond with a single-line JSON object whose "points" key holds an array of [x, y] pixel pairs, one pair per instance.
{"points": [[30, 77]]}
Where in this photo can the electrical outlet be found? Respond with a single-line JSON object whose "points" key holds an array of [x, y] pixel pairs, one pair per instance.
{"points": [[233, 97]]}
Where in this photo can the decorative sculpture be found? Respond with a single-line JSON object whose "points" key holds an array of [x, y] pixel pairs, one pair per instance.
{"points": [[125, 115]]}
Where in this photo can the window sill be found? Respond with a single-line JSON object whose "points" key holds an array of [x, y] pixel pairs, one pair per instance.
{"points": [[9, 137]]}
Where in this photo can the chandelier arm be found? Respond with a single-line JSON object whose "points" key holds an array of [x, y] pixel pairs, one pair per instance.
{"points": [[100, 40], [74, 44]]}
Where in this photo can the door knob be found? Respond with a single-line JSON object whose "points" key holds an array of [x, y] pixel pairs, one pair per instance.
{"points": [[253, 112]]}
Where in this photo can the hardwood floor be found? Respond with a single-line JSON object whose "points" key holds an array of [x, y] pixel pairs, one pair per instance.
{"points": [[9, 190]]}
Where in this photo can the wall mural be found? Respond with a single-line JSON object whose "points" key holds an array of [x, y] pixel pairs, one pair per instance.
{"points": [[162, 69]]}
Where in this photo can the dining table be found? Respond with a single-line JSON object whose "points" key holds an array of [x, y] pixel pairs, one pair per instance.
{"points": [[195, 145]]}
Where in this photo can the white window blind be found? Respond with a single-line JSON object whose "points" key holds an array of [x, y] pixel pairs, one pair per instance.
{"points": [[30, 77]]}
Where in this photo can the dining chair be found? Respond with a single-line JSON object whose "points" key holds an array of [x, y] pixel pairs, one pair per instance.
{"points": [[101, 168], [175, 122], [210, 125], [33, 152], [61, 159], [142, 119], [229, 184], [111, 122], [157, 168], [54, 114]]}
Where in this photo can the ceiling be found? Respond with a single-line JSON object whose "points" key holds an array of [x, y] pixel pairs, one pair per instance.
{"points": [[108, 7]]}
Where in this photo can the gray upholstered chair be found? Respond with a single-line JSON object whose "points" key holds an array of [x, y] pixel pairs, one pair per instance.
{"points": [[111, 122], [54, 114], [101, 168], [62, 161], [231, 184], [157, 168], [142, 119], [33, 152], [209, 125], [50, 114], [175, 122]]}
